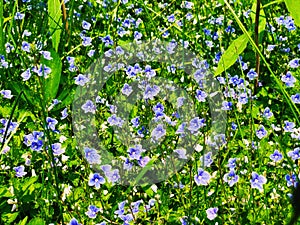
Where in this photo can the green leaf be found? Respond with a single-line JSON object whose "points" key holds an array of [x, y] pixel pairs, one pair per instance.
{"points": [[9, 217], [262, 21], [28, 182], [232, 53], [36, 221], [30, 96], [294, 8], [53, 79], [4, 192], [23, 222], [55, 21]]}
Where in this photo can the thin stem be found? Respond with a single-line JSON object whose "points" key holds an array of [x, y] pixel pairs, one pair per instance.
{"points": [[256, 30]]}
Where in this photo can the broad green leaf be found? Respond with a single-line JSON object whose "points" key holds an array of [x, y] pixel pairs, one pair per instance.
{"points": [[36, 221], [28, 182], [53, 79], [232, 53], [262, 21], [294, 8], [55, 21], [29, 95]]}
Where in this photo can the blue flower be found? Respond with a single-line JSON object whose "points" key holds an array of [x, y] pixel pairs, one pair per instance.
{"points": [[158, 132], [257, 181], [135, 122], [226, 105], [206, 160], [296, 98], [291, 180], [231, 178], [252, 74], [42, 70], [151, 92], [294, 63], [195, 124], [86, 25], [261, 132], [92, 212], [81, 80], [64, 114], [89, 106], [202, 177], [86, 41], [74, 222], [212, 213], [114, 120], [107, 40], [267, 113], [201, 95], [171, 18], [127, 90], [51, 122], [19, 16], [181, 153], [288, 79], [6, 94], [276, 156], [232, 163], [20, 171], [113, 175], [57, 150], [135, 152], [143, 161], [96, 180], [25, 46], [289, 126], [46, 55], [294, 154], [91, 155]]}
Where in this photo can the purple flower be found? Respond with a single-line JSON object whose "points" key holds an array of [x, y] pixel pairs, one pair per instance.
{"points": [[261, 132], [113, 175], [127, 90], [267, 113], [231, 163], [25, 46], [114, 120], [120, 210], [46, 55], [20, 171], [107, 40], [86, 25], [252, 74], [26, 75], [57, 150], [135, 152], [91, 155], [201, 95], [81, 80], [288, 79], [96, 180], [294, 63], [212, 213], [257, 181], [276, 156], [51, 122], [126, 218], [6, 94], [19, 16], [92, 212], [294, 154], [158, 132], [231, 178], [74, 222], [89, 106], [151, 92], [86, 41], [202, 177], [291, 180], [226, 105], [143, 161], [135, 122], [181, 153], [296, 98], [42, 70], [206, 160], [195, 124], [64, 114], [171, 18], [289, 126]]}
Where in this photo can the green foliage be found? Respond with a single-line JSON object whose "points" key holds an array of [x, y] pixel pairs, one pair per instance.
{"points": [[55, 21]]}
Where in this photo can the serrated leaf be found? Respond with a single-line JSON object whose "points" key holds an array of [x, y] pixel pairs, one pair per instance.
{"points": [[294, 8], [53, 79], [55, 21], [232, 53]]}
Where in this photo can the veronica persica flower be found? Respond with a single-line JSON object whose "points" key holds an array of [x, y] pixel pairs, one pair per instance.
{"points": [[258, 181], [20, 171], [202, 178], [276, 156], [212, 213]]}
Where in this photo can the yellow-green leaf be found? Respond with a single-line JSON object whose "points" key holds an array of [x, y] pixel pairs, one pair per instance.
{"points": [[55, 21], [294, 8], [232, 53]]}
